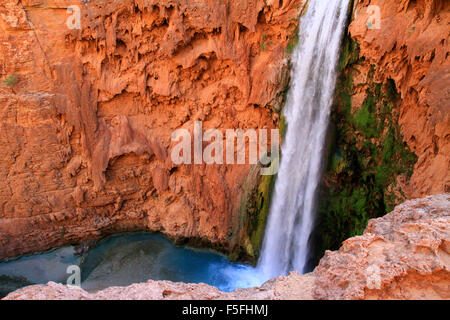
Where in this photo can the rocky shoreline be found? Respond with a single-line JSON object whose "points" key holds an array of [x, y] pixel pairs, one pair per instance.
{"points": [[403, 255]]}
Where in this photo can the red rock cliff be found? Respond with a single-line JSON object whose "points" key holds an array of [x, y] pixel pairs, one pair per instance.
{"points": [[85, 130], [411, 47]]}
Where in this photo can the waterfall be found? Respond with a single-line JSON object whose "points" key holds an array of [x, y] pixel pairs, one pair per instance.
{"points": [[307, 111]]}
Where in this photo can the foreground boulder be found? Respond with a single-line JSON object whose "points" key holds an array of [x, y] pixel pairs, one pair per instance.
{"points": [[403, 255]]}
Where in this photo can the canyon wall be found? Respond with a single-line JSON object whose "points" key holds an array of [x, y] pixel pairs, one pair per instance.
{"points": [[390, 133], [403, 255], [87, 115], [411, 48]]}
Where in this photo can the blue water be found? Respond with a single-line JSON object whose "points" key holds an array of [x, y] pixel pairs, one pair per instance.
{"points": [[125, 259]]}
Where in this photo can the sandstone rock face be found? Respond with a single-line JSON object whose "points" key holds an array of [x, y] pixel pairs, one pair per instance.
{"points": [[86, 130], [403, 255], [411, 47]]}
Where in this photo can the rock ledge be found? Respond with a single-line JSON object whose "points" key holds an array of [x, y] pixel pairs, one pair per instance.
{"points": [[403, 255]]}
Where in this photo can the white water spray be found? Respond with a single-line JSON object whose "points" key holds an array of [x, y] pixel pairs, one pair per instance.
{"points": [[307, 112]]}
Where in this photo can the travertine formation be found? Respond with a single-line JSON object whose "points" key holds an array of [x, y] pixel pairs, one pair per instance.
{"points": [[86, 130], [403, 255], [411, 47]]}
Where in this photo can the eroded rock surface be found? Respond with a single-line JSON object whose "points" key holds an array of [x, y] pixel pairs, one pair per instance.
{"points": [[411, 47], [86, 130], [403, 255]]}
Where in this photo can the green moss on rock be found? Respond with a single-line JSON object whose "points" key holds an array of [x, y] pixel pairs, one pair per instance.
{"points": [[367, 156], [254, 211], [252, 215], [282, 126]]}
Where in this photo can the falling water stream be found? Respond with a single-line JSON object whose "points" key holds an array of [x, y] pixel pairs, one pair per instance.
{"points": [[128, 259], [307, 112]]}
